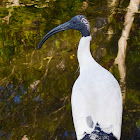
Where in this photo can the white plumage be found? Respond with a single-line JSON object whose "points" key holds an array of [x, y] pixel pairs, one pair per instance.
{"points": [[96, 96]]}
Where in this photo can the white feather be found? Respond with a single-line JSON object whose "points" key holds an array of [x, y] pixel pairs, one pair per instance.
{"points": [[95, 94]]}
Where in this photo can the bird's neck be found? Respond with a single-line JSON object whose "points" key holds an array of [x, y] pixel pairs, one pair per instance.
{"points": [[84, 55]]}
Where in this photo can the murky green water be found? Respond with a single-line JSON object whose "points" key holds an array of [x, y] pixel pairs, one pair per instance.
{"points": [[35, 85]]}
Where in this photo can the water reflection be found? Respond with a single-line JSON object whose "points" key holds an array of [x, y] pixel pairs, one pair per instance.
{"points": [[35, 86]]}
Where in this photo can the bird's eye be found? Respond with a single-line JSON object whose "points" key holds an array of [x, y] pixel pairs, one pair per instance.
{"points": [[74, 22]]}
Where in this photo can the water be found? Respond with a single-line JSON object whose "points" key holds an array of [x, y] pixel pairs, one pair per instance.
{"points": [[35, 85]]}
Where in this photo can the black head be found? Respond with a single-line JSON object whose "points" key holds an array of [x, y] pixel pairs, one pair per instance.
{"points": [[81, 24], [78, 22]]}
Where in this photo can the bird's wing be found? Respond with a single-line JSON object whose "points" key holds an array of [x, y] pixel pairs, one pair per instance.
{"points": [[97, 101]]}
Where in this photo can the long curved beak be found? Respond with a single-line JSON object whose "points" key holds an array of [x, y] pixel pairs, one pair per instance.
{"points": [[57, 29]]}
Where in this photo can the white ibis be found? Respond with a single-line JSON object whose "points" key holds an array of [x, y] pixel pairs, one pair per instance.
{"points": [[96, 95]]}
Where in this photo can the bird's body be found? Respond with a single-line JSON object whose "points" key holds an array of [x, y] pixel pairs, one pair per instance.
{"points": [[96, 95]]}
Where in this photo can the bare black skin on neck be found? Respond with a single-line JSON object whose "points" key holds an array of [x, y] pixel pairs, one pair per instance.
{"points": [[78, 22], [81, 24]]}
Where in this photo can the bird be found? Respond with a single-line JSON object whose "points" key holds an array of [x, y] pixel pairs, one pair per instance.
{"points": [[96, 98]]}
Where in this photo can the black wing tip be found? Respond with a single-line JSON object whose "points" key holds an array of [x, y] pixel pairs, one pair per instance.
{"points": [[99, 134]]}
